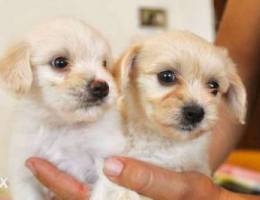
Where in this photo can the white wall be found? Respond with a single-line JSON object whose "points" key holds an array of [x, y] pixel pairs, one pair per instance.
{"points": [[117, 19]]}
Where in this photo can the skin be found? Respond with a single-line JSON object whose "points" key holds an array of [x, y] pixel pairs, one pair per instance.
{"points": [[152, 181], [52, 177], [240, 33]]}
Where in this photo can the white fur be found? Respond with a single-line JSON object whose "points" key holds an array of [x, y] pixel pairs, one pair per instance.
{"points": [[73, 148], [50, 121]]}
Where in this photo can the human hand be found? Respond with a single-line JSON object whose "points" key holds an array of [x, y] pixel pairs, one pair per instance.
{"points": [[158, 183], [146, 179]]}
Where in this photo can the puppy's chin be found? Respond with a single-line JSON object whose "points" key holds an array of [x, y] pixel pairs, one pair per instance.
{"points": [[83, 111], [66, 107], [178, 133], [88, 115]]}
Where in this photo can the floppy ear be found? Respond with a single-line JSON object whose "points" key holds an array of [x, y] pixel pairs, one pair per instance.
{"points": [[236, 97], [125, 66], [236, 94], [15, 69]]}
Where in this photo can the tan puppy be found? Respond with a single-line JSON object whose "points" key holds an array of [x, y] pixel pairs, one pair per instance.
{"points": [[171, 86], [162, 76]]}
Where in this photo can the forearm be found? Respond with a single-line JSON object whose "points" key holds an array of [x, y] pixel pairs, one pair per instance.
{"points": [[227, 195], [240, 33]]}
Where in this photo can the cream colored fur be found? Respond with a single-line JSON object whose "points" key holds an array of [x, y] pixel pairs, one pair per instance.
{"points": [[152, 111], [55, 118], [49, 122]]}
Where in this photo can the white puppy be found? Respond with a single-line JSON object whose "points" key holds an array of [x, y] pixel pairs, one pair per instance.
{"points": [[67, 107], [171, 87]]}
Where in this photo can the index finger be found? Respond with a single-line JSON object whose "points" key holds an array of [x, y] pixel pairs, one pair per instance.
{"points": [[63, 185]]}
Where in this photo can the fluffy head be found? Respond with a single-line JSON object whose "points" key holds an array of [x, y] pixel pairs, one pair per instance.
{"points": [[63, 66], [176, 80]]}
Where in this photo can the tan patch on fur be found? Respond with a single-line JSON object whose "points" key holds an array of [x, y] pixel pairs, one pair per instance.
{"points": [[116, 71], [178, 93], [125, 73], [169, 132], [15, 69], [122, 70], [236, 98], [73, 80]]}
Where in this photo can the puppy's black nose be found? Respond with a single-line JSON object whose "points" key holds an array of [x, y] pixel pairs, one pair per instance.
{"points": [[193, 114], [98, 89]]}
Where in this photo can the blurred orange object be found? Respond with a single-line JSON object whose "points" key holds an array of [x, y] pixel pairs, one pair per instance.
{"points": [[245, 158]]}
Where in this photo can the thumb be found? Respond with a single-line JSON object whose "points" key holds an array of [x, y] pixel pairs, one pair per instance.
{"points": [[146, 179]]}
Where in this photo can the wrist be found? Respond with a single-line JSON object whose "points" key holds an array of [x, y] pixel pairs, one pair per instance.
{"points": [[202, 187]]}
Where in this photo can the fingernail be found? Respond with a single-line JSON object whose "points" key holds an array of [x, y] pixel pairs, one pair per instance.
{"points": [[113, 167], [30, 166]]}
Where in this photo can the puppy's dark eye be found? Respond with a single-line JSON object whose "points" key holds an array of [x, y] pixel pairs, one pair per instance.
{"points": [[167, 77], [213, 86], [104, 63], [60, 63]]}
